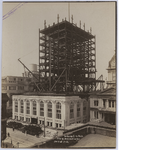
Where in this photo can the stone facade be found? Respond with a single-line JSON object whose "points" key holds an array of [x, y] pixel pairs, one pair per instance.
{"points": [[54, 111]]}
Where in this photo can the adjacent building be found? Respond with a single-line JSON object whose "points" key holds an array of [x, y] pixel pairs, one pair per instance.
{"points": [[103, 106], [13, 85], [103, 102], [4, 99]]}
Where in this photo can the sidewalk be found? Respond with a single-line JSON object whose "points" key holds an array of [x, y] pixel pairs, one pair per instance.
{"points": [[22, 140]]}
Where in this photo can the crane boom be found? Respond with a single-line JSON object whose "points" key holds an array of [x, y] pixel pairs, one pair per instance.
{"points": [[31, 73]]}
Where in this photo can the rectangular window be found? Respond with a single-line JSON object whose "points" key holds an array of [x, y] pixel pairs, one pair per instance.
{"points": [[109, 103], [84, 108], [21, 106], [27, 119], [96, 114], [84, 111], [22, 118], [16, 106], [41, 109], [20, 87], [71, 113], [112, 103], [28, 107], [50, 110], [58, 115], [12, 88], [95, 102], [50, 113], [104, 103], [4, 87], [78, 109], [34, 108]]}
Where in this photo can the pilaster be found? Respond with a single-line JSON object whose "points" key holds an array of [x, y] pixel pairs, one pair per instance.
{"points": [[24, 110], [19, 109], [45, 112], [13, 109], [38, 110], [54, 113]]}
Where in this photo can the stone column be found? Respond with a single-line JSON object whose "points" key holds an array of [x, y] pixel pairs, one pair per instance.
{"points": [[54, 113], [81, 111], [75, 111], [38, 110], [18, 109], [13, 109], [45, 112], [24, 110]]}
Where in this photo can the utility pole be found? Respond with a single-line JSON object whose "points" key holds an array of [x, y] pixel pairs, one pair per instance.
{"points": [[64, 124]]}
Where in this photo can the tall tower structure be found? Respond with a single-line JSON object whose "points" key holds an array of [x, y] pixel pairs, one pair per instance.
{"points": [[67, 58]]}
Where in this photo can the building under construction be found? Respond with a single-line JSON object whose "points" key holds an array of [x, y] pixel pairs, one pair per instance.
{"points": [[67, 72], [67, 61]]}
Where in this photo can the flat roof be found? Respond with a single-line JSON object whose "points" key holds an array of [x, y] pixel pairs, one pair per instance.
{"points": [[77, 30]]}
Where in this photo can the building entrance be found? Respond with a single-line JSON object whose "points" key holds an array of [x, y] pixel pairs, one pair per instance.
{"points": [[34, 120]]}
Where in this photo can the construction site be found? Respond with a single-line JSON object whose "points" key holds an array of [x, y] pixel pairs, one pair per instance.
{"points": [[67, 59], [58, 94]]}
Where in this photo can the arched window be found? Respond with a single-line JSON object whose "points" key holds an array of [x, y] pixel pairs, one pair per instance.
{"points": [[28, 107], [41, 109], [78, 109], [49, 109], [34, 108], [58, 110], [84, 108], [16, 106], [21, 106], [71, 110]]}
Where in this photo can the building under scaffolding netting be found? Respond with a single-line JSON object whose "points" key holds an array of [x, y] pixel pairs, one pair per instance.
{"points": [[67, 58]]}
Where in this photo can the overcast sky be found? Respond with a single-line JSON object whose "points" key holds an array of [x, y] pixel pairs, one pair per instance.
{"points": [[20, 37]]}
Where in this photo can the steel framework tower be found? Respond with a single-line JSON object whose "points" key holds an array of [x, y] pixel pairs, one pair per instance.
{"points": [[67, 58]]}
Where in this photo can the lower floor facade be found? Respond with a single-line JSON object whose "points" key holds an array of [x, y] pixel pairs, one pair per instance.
{"points": [[97, 115], [52, 111]]}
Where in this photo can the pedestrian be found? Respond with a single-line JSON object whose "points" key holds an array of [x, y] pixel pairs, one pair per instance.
{"points": [[8, 134]]}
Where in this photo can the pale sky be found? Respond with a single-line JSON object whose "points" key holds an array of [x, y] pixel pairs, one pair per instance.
{"points": [[20, 33]]}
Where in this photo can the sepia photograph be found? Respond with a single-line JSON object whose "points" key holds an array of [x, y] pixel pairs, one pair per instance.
{"points": [[59, 75]]}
